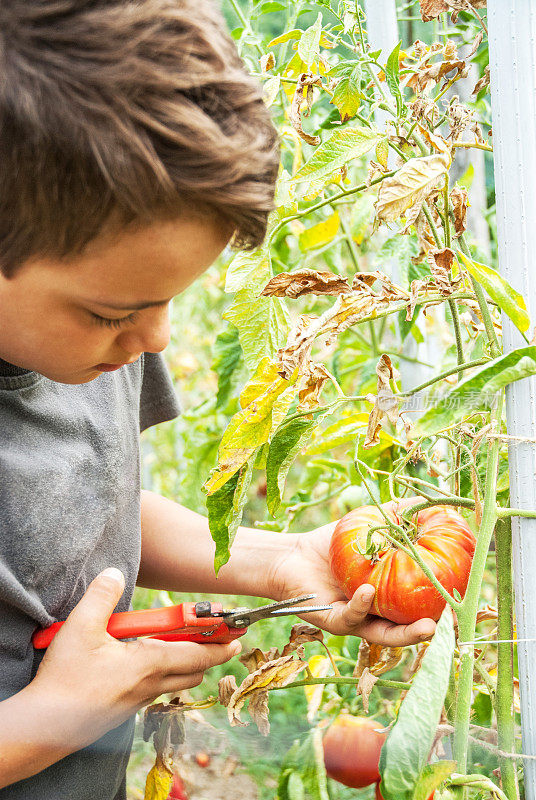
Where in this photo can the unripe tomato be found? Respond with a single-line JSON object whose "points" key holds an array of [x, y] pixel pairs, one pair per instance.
{"points": [[403, 592], [352, 750]]}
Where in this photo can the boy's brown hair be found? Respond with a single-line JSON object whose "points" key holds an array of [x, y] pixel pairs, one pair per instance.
{"points": [[133, 110]]}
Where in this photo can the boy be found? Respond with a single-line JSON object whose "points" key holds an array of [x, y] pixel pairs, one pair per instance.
{"points": [[133, 148]]}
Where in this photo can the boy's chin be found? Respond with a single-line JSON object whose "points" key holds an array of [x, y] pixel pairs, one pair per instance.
{"points": [[74, 378]]}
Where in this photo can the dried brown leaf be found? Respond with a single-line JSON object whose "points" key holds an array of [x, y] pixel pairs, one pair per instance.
{"points": [[483, 82], [376, 658], [385, 403], [258, 711], [476, 44], [267, 62], [300, 634], [365, 686], [272, 674], [410, 186], [253, 659], [314, 382], [226, 688], [304, 91], [431, 9], [305, 281], [460, 201]]}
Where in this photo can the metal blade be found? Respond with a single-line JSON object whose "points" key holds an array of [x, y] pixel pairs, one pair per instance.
{"points": [[242, 617], [284, 612]]}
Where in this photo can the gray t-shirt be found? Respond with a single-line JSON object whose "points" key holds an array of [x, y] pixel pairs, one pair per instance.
{"points": [[69, 507]]}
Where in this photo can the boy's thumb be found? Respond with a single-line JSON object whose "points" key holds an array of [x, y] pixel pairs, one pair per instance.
{"points": [[101, 597]]}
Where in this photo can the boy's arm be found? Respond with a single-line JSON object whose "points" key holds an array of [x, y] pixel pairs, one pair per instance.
{"points": [[178, 554]]}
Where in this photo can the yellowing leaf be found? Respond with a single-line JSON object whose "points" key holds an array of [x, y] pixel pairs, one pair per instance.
{"points": [[410, 186], [320, 234], [511, 302], [158, 782], [347, 95], [319, 668], [251, 426], [285, 37]]}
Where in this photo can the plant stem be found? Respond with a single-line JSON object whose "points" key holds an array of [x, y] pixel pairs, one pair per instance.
{"points": [[467, 365], [484, 310], [469, 606], [504, 513], [344, 193], [341, 680], [476, 145], [505, 656], [240, 14]]}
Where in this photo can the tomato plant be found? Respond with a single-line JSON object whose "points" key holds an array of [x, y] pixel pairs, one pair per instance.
{"points": [[360, 553], [359, 363]]}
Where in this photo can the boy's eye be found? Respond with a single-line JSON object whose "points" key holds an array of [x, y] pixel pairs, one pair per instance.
{"points": [[114, 323]]}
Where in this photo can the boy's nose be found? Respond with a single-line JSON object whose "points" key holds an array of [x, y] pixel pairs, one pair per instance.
{"points": [[150, 335]]}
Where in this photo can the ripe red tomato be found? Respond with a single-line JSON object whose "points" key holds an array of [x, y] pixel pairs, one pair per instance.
{"points": [[403, 592], [352, 750]]}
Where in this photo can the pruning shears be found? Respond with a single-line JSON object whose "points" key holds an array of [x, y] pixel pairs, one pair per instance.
{"points": [[203, 622]]}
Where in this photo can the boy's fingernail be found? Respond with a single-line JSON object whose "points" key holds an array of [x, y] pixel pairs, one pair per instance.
{"points": [[235, 648], [113, 573]]}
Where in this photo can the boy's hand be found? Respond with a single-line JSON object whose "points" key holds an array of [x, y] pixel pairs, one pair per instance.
{"points": [[99, 681], [307, 570]]}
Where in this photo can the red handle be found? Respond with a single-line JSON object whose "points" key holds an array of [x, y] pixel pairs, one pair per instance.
{"points": [[172, 624]]}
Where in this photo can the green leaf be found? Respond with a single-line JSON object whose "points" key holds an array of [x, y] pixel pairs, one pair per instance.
{"points": [[307, 761], [247, 267], [309, 44], [225, 508], [263, 322], [342, 146], [407, 747], [477, 392], [287, 442], [399, 250], [347, 94], [507, 298], [320, 234], [227, 353], [392, 77], [295, 787]]}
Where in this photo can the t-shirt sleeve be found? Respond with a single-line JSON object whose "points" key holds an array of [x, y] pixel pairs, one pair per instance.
{"points": [[158, 401]]}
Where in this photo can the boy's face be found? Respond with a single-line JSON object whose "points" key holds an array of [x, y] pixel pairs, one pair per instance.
{"points": [[71, 321]]}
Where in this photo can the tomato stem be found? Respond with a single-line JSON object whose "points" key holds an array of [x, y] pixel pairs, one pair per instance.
{"points": [[342, 680], [505, 665], [468, 609]]}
